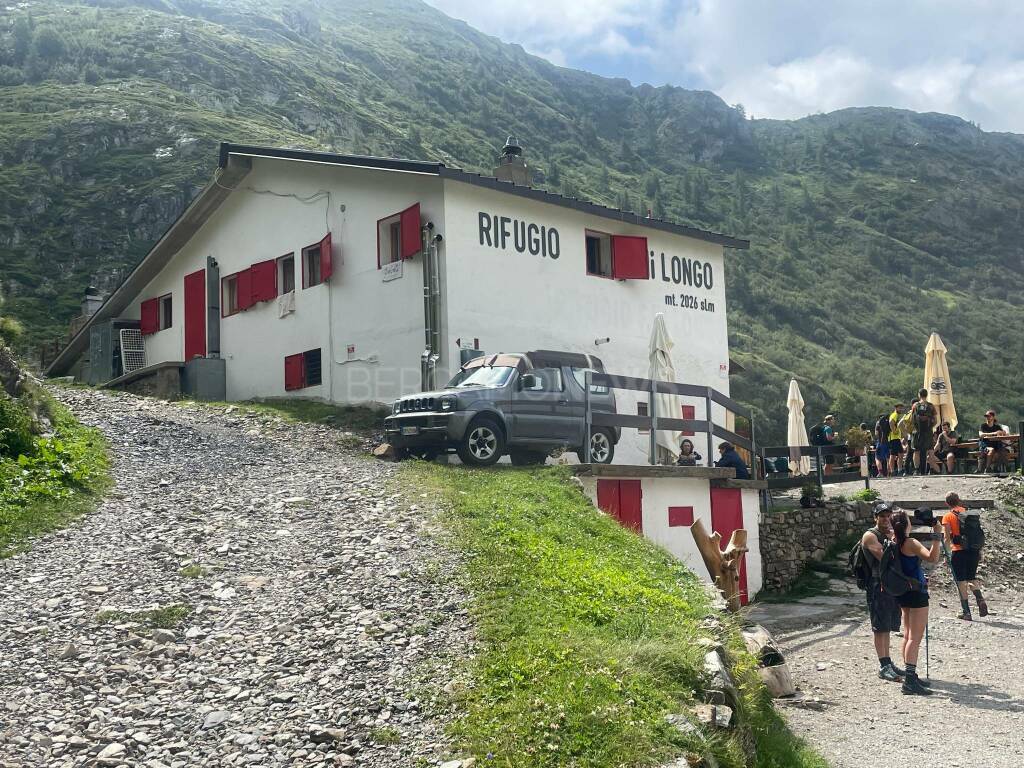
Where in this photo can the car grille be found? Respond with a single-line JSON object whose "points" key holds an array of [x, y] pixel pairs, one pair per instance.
{"points": [[417, 404]]}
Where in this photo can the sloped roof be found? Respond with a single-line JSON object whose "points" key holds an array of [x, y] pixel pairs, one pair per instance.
{"points": [[443, 171]]}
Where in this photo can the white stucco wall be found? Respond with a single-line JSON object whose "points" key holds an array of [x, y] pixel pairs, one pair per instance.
{"points": [[660, 493], [515, 302], [382, 321]]}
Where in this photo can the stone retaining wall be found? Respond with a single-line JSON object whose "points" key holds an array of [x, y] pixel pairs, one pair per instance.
{"points": [[793, 537]]}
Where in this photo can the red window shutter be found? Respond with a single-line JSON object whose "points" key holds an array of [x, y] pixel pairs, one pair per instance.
{"points": [[629, 257], [149, 316], [412, 242], [326, 262], [294, 372], [680, 516], [264, 281], [243, 289], [689, 414]]}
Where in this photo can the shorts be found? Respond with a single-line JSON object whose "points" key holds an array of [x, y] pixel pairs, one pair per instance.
{"points": [[964, 563], [895, 448], [922, 441], [913, 599], [882, 451], [885, 613], [956, 453]]}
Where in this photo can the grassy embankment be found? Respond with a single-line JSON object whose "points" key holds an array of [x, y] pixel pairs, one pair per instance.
{"points": [[589, 635], [45, 482], [364, 421]]}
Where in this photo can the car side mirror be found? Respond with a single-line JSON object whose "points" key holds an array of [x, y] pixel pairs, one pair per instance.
{"points": [[528, 381]]}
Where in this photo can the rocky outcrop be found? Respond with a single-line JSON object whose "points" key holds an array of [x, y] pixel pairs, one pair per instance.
{"points": [[12, 378]]}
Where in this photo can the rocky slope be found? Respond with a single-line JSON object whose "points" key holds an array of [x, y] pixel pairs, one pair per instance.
{"points": [[251, 593]]}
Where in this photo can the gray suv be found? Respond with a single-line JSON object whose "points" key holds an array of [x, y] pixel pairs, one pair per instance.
{"points": [[524, 405]]}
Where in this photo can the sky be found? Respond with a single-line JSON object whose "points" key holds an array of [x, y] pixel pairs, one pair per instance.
{"points": [[786, 58]]}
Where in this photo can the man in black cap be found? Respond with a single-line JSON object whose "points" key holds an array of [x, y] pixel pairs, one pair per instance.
{"points": [[884, 611]]}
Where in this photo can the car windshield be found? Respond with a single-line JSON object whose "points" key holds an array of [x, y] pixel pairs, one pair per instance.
{"points": [[483, 376]]}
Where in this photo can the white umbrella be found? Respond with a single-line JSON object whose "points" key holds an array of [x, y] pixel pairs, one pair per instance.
{"points": [[797, 432], [666, 406], [936, 380]]}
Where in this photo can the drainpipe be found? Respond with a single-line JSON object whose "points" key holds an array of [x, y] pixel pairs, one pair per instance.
{"points": [[431, 309], [212, 307]]}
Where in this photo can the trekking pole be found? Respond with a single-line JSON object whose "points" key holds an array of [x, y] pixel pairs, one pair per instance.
{"points": [[927, 668]]}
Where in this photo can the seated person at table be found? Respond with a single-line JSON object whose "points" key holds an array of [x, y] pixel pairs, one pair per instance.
{"points": [[947, 448], [687, 456], [729, 458], [991, 451]]}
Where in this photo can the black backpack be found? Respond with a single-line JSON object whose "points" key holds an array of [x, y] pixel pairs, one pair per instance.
{"points": [[882, 428], [971, 534], [817, 435], [859, 567], [894, 581], [924, 414]]}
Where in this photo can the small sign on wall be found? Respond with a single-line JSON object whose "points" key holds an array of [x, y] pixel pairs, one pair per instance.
{"points": [[350, 352], [392, 271]]}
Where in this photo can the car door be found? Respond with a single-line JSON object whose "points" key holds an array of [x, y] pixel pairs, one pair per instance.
{"points": [[540, 404]]}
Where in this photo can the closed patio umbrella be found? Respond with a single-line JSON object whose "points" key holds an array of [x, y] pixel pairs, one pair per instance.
{"points": [[666, 406], [936, 380], [797, 432]]}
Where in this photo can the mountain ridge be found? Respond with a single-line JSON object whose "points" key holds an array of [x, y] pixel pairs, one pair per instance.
{"points": [[870, 226]]}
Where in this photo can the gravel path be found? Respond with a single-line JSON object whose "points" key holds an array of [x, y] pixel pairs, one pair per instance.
{"points": [[977, 715], [319, 632]]}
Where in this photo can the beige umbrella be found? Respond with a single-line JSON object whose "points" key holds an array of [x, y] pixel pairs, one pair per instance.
{"points": [[666, 406], [797, 432], [936, 380]]}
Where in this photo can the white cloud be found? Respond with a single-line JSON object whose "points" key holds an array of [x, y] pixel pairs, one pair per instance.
{"points": [[788, 58]]}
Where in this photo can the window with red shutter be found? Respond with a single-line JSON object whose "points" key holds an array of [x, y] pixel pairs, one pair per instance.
{"points": [[326, 262], [294, 372], [412, 241], [243, 287], [689, 414], [629, 257], [264, 281], [149, 316]]}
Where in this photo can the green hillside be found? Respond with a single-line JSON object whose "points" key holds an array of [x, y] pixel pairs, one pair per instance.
{"points": [[869, 227]]}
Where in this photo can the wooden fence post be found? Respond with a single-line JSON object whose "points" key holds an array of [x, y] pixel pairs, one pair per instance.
{"points": [[723, 567]]}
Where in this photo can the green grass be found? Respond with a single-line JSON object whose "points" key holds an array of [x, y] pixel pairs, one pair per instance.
{"points": [[385, 735], [588, 633], [194, 571], [165, 617], [61, 478]]}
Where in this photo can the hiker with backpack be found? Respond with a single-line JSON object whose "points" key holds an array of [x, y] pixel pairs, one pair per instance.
{"points": [[902, 577], [965, 535], [925, 418], [882, 445], [865, 560], [895, 444], [824, 434]]}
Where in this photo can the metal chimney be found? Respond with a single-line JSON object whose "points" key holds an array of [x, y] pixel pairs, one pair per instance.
{"points": [[511, 164], [91, 301]]}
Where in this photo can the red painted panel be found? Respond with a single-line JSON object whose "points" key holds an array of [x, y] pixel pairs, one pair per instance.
{"points": [[264, 280], [412, 242], [689, 413], [726, 517], [149, 316], [608, 497], [294, 372], [326, 262], [629, 257], [680, 516], [244, 289], [195, 315], [630, 505]]}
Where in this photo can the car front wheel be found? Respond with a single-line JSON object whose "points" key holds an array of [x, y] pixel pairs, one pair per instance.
{"points": [[483, 444]]}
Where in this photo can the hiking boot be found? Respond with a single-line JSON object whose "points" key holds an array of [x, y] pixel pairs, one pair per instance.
{"points": [[912, 686], [897, 670], [888, 672], [982, 608], [967, 616]]}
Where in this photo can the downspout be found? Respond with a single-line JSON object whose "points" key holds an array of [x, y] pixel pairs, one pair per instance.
{"points": [[212, 307], [431, 309]]}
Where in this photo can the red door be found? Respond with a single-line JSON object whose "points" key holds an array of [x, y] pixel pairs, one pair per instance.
{"points": [[622, 499], [195, 315], [726, 517]]}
